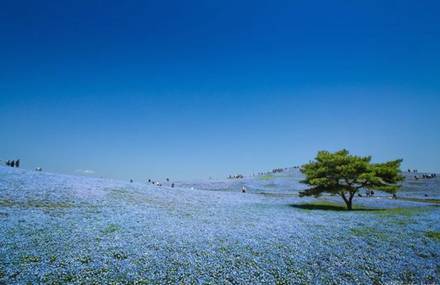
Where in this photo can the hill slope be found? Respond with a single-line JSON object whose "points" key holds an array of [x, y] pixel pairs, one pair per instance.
{"points": [[59, 228]]}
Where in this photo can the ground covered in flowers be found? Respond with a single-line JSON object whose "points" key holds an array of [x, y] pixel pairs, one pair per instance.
{"points": [[57, 229]]}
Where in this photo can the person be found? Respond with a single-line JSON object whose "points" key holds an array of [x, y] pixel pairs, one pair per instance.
{"points": [[243, 189], [12, 163], [172, 185], [8, 163], [394, 196], [168, 180], [131, 180], [17, 163]]}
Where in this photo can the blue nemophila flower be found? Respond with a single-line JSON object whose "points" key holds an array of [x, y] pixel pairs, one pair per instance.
{"points": [[88, 230]]}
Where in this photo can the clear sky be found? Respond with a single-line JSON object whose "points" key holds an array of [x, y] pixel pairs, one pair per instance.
{"points": [[192, 89]]}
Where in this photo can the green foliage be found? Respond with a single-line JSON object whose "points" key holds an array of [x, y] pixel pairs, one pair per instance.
{"points": [[111, 228], [85, 259], [403, 212], [420, 200], [30, 259], [433, 235], [267, 177], [52, 258], [343, 174], [368, 232], [330, 206], [39, 204], [6, 203], [119, 255]]}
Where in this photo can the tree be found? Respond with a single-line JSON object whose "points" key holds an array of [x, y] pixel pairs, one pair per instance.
{"points": [[343, 174]]}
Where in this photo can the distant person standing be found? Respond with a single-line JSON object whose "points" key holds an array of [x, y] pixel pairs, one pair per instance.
{"points": [[12, 163], [17, 163], [8, 163]]}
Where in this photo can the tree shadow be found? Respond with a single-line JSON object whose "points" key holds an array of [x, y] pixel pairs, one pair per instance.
{"points": [[331, 207]]}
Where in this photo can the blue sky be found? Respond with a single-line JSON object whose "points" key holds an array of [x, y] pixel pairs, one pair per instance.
{"points": [[191, 89]]}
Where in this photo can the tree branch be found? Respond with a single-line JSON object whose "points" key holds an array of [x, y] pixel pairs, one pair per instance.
{"points": [[343, 197]]}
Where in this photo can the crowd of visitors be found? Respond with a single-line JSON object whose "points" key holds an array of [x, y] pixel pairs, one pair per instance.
{"points": [[13, 163]]}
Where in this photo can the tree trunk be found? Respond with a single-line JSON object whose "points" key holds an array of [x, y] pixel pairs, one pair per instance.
{"points": [[348, 201], [349, 205]]}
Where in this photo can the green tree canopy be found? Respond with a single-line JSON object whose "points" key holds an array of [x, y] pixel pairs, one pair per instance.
{"points": [[344, 174]]}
